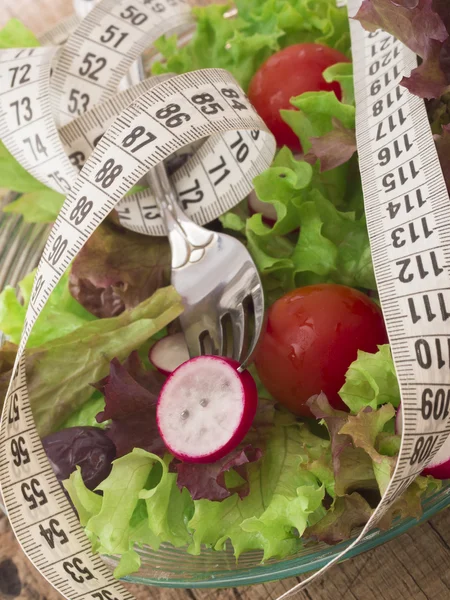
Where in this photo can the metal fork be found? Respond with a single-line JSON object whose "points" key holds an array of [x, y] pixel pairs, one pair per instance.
{"points": [[216, 278], [213, 272]]}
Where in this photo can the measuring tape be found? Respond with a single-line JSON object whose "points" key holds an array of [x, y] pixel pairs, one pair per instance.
{"points": [[168, 116], [408, 217], [213, 181], [406, 206]]}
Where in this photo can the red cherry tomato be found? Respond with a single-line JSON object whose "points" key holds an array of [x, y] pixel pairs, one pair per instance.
{"points": [[313, 335], [288, 73]]}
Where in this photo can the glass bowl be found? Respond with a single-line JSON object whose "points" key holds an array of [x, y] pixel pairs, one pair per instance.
{"points": [[20, 247]]}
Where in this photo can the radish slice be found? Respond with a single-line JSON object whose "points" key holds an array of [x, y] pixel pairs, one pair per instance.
{"points": [[439, 468], [169, 353], [205, 408], [268, 212], [440, 465]]}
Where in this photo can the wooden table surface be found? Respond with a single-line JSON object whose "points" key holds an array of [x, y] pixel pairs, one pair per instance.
{"points": [[415, 566]]}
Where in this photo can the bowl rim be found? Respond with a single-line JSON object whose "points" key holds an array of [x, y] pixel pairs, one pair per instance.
{"points": [[295, 566]]}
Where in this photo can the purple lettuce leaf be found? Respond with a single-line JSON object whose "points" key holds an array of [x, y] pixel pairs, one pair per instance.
{"points": [[207, 481], [443, 150], [117, 269], [423, 26], [333, 148], [335, 420], [131, 394]]}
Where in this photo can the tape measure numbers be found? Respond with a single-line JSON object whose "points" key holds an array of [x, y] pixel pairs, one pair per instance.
{"points": [[215, 179], [178, 112], [408, 217], [407, 212]]}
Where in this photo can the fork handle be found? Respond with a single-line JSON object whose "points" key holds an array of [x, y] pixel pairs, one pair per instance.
{"points": [[187, 240]]}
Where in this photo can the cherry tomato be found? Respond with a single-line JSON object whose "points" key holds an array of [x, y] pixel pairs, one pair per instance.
{"points": [[288, 73], [313, 335]]}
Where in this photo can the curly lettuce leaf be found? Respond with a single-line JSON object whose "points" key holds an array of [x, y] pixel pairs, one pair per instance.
{"points": [[371, 381], [121, 491], [327, 244], [357, 464], [424, 27], [282, 496], [61, 315], [261, 28], [364, 429], [87, 503], [343, 74], [346, 513], [169, 509], [60, 372], [314, 117], [117, 268]]}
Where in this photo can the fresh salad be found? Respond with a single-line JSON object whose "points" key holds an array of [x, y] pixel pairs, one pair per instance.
{"points": [[154, 448]]}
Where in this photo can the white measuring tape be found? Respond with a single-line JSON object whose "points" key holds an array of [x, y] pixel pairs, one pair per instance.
{"points": [[406, 206]]}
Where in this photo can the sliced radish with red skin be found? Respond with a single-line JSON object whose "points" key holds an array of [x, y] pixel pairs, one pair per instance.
{"points": [[205, 408], [439, 468], [440, 465], [169, 353], [266, 210]]}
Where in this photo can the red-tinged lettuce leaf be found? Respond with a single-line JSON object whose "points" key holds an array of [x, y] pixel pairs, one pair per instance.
{"points": [[443, 150], [334, 420], [333, 148], [347, 513], [363, 429], [131, 394], [421, 25], [357, 464], [117, 269], [209, 482], [129, 388]]}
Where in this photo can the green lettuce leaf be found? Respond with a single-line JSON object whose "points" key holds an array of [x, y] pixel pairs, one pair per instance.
{"points": [[168, 508], [15, 35], [120, 497], [40, 206], [60, 372], [61, 315], [332, 245], [85, 415], [39, 202], [283, 496], [315, 114], [343, 74], [86, 502], [14, 177], [262, 27], [371, 381], [140, 504]]}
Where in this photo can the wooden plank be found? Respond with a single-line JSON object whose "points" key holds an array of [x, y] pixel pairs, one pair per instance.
{"points": [[415, 566]]}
